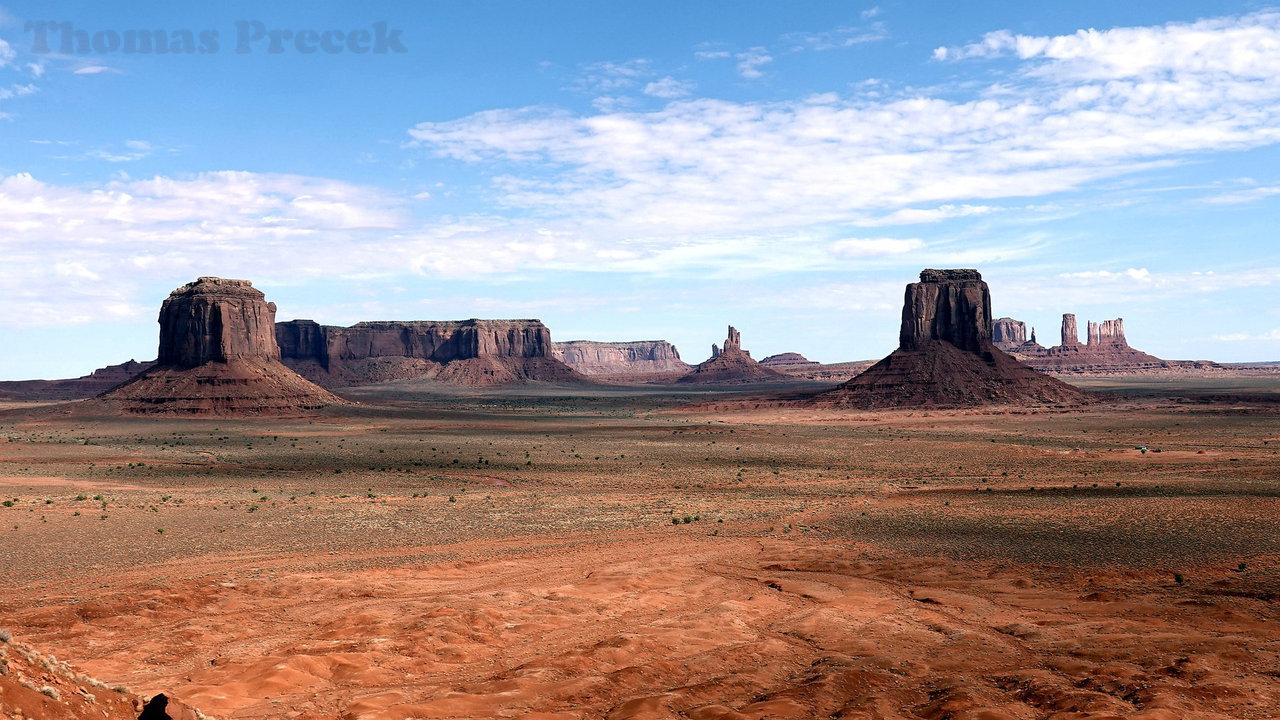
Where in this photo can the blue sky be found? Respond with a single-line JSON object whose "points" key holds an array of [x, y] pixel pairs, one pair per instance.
{"points": [[644, 170]]}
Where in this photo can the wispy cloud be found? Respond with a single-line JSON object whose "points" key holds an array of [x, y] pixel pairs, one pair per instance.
{"points": [[1271, 336], [874, 247], [669, 88], [751, 60], [1076, 115], [95, 70], [841, 37], [1244, 196]]}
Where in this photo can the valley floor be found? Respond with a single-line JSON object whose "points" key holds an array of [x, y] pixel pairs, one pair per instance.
{"points": [[563, 554]]}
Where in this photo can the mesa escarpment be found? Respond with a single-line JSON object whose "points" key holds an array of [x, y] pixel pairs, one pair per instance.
{"points": [[465, 352], [218, 355], [637, 357], [946, 357], [731, 365], [788, 361]]}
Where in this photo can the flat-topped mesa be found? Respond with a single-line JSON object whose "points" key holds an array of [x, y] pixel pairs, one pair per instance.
{"points": [[731, 364], [636, 357], [468, 352], [950, 305], [946, 357], [1070, 333], [216, 320], [1008, 333], [788, 360], [218, 356]]}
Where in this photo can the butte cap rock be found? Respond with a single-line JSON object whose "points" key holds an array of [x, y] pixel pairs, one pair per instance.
{"points": [[946, 357], [218, 356]]}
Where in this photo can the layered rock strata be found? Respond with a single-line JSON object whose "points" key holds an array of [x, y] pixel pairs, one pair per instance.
{"points": [[465, 352], [639, 357]]}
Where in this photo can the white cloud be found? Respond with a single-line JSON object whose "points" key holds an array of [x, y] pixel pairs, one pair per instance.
{"points": [[870, 12], [1230, 47], [1135, 274], [723, 166], [874, 247], [1127, 288], [1272, 335], [14, 91], [840, 37], [75, 254], [712, 54], [669, 88], [614, 76], [94, 70], [750, 62], [6, 53], [1244, 196]]}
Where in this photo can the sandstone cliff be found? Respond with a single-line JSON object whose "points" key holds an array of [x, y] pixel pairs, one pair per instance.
{"points": [[218, 355], [731, 365], [639, 357], [945, 355], [467, 352]]}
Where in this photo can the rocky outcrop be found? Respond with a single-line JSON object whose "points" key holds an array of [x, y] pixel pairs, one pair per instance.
{"points": [[37, 685], [1105, 351], [1070, 334], [218, 356], [784, 361], [639, 357], [949, 305], [731, 365], [216, 320], [945, 355], [466, 352], [1007, 333]]}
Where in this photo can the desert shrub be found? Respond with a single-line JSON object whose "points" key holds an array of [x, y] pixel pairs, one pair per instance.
{"points": [[1178, 578], [51, 691], [5, 636]]}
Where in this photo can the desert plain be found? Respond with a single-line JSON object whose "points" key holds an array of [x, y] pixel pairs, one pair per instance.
{"points": [[555, 552]]}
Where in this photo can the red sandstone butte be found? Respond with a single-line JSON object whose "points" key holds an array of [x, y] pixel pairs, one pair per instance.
{"points": [[218, 356], [945, 355]]}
